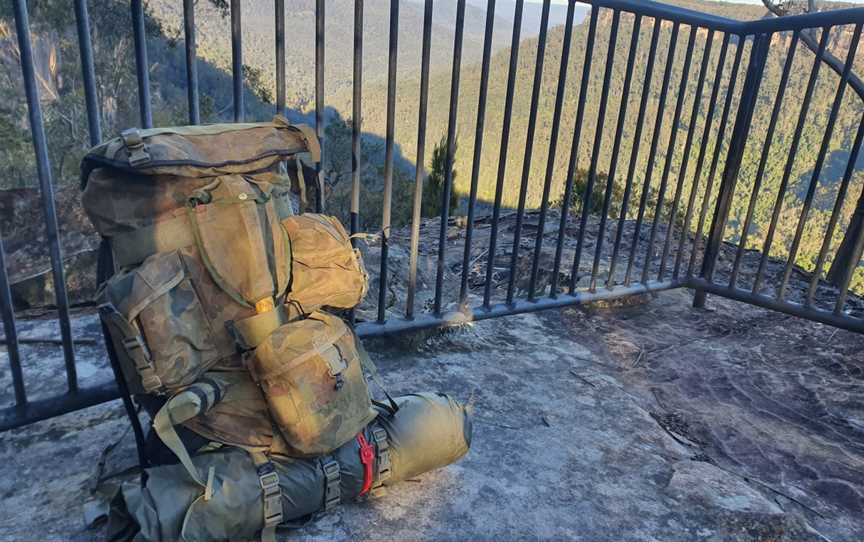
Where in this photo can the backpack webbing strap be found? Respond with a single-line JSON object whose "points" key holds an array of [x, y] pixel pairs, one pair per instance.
{"points": [[164, 427], [271, 494], [309, 136], [370, 368], [332, 489], [133, 346], [382, 461], [301, 182], [251, 331], [273, 218], [167, 235], [187, 404]]}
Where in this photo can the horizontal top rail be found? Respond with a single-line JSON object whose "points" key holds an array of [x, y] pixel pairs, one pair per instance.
{"points": [[677, 14], [723, 24]]}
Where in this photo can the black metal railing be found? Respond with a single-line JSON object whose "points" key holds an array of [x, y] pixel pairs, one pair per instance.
{"points": [[646, 237]]}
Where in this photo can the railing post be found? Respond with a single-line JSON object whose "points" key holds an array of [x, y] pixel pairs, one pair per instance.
{"points": [[737, 144]]}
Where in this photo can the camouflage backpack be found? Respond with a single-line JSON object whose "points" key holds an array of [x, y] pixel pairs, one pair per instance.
{"points": [[213, 271]]}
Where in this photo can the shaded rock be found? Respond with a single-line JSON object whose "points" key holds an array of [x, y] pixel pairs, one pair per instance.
{"points": [[732, 509], [715, 488], [38, 290], [26, 245]]}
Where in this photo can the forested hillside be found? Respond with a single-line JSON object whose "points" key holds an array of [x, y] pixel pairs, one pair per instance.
{"points": [[60, 85], [214, 39], [838, 43]]}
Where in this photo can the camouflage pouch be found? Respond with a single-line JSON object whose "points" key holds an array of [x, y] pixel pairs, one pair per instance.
{"points": [[240, 417], [326, 270], [239, 237], [159, 327], [312, 378]]}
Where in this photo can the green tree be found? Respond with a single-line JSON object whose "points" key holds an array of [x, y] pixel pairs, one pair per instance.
{"points": [[433, 191]]}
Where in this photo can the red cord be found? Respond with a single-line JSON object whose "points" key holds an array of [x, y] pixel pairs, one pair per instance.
{"points": [[367, 455]]}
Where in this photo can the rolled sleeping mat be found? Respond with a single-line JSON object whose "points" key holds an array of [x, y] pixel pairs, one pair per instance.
{"points": [[429, 431]]}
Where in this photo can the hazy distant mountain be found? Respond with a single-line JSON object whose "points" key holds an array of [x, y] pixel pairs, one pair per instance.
{"points": [[531, 14], [259, 38]]}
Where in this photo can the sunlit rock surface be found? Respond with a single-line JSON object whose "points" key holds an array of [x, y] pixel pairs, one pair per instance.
{"points": [[643, 419]]}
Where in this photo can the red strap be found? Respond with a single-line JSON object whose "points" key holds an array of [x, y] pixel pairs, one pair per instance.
{"points": [[367, 456]]}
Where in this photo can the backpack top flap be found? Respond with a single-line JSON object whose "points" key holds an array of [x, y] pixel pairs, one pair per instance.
{"points": [[202, 151]]}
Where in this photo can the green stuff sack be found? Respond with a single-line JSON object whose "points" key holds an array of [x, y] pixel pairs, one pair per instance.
{"points": [[428, 431], [312, 378]]}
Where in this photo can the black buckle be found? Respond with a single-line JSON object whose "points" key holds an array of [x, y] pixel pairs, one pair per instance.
{"points": [[332, 490]]}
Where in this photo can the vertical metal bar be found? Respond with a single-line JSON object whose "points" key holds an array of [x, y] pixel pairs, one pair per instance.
{"points": [[595, 153], [192, 63], [85, 48], [697, 174], [737, 144], [478, 148], [574, 150], [356, 118], [529, 149], [553, 146], [10, 332], [420, 173], [670, 149], [793, 150], [502, 157], [835, 214], [652, 154], [279, 8], [721, 130], [616, 147], [592, 170], [142, 66], [237, 60], [356, 123], [46, 187], [634, 154], [319, 99], [388, 156], [763, 160], [451, 152], [688, 145], [857, 247], [817, 169]]}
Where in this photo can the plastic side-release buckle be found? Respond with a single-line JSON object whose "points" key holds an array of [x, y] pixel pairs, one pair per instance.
{"points": [[271, 494], [382, 445], [138, 154], [134, 347], [332, 490], [367, 457]]}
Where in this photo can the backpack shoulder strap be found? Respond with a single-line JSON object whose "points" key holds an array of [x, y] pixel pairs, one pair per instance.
{"points": [[187, 404]]}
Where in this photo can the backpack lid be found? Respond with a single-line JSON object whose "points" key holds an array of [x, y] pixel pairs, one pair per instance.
{"points": [[203, 151]]}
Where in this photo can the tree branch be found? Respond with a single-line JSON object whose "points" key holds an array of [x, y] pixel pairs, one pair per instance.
{"points": [[780, 9]]}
